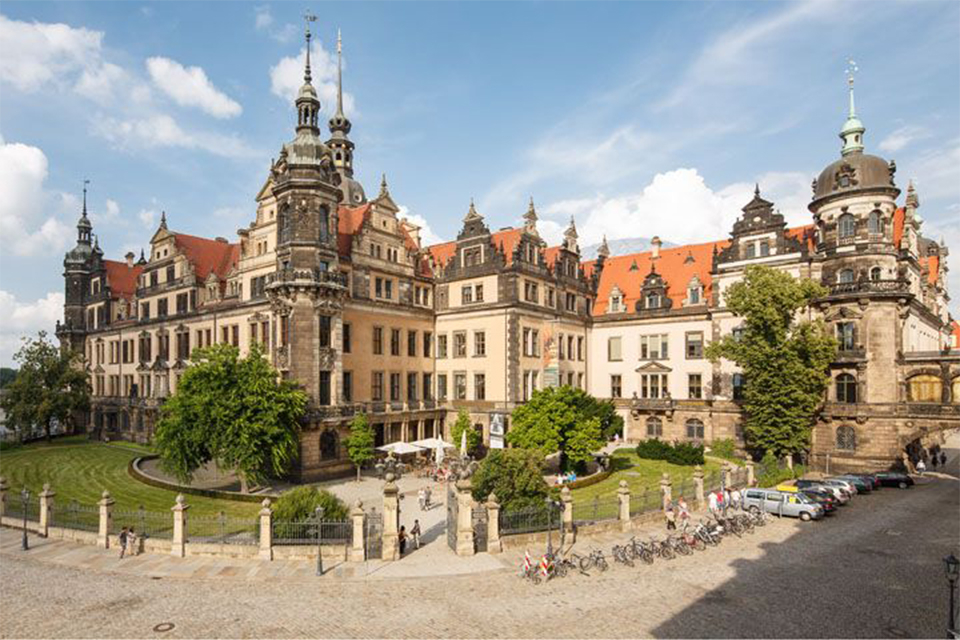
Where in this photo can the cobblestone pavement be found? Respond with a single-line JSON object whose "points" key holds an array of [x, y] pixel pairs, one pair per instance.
{"points": [[873, 570]]}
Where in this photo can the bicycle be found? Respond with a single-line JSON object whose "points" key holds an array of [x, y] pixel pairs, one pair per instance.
{"points": [[621, 555], [693, 541], [679, 545], [662, 549], [642, 550], [595, 559]]}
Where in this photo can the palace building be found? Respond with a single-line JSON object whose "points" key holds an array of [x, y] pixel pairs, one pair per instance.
{"points": [[344, 298]]}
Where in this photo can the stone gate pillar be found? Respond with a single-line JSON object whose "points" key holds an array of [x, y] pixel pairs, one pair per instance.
{"points": [[751, 473], [106, 520], [666, 491], [358, 518], [178, 547], [266, 530], [566, 519], [493, 525], [391, 520], [46, 506], [698, 487], [465, 544], [623, 494], [3, 496]]}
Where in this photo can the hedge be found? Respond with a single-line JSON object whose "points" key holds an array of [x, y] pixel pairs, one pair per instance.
{"points": [[681, 453]]}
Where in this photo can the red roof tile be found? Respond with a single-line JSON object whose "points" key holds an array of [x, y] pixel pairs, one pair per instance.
{"points": [[898, 219], [505, 240], [207, 255], [349, 222], [121, 278], [933, 268]]}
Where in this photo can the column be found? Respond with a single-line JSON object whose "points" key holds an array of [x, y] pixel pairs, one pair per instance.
{"points": [[727, 475], [3, 496], [666, 490], [566, 499], [106, 520], [698, 486], [46, 504], [266, 530], [751, 473], [358, 549], [178, 546], [391, 520], [465, 545], [493, 525], [623, 493]]}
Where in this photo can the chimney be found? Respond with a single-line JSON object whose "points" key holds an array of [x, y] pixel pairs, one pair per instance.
{"points": [[655, 247], [130, 256]]}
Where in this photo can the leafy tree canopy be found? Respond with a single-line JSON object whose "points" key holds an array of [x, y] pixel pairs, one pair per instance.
{"points": [[474, 437], [233, 411], [7, 375], [561, 419], [784, 358], [514, 475], [360, 442], [300, 503], [50, 386]]}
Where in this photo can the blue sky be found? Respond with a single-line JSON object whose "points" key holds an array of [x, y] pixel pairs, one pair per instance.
{"points": [[639, 118]]}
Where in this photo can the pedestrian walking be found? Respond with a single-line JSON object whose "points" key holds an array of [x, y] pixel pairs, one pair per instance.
{"points": [[123, 542], [684, 510], [422, 498], [921, 467], [943, 459], [403, 540], [713, 505], [415, 533], [671, 516], [132, 542], [934, 459], [735, 499], [427, 495]]}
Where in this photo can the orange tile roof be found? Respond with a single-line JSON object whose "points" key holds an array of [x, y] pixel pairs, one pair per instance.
{"points": [[806, 233], [121, 278], [349, 222], [208, 255], [933, 268], [505, 240], [898, 219]]}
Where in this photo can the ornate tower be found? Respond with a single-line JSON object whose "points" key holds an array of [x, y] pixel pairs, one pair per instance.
{"points": [[340, 143], [308, 289], [78, 267]]}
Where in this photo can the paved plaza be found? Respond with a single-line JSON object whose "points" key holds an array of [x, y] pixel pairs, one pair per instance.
{"points": [[874, 570]]}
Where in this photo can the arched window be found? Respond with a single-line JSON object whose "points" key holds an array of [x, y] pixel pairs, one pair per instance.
{"points": [[654, 427], [846, 226], [846, 388], [876, 273], [875, 222], [845, 276], [329, 445], [694, 429], [846, 438], [925, 388]]}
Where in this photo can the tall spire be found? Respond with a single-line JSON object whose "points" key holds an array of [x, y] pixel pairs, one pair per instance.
{"points": [[530, 218], [307, 77], [853, 129], [308, 106], [83, 225], [339, 72]]}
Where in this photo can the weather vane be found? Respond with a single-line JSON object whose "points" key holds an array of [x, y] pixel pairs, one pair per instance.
{"points": [[309, 17], [852, 69], [85, 183]]}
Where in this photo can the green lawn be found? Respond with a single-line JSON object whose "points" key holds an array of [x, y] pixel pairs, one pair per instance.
{"points": [[80, 470], [641, 474]]}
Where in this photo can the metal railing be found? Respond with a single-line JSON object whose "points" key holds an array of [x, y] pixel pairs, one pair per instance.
{"points": [[74, 515], [305, 532], [596, 510], [644, 500], [15, 508], [221, 529], [529, 520], [147, 524]]}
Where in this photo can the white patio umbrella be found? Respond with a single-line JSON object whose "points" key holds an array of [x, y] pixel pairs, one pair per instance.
{"points": [[438, 456], [432, 443], [400, 448]]}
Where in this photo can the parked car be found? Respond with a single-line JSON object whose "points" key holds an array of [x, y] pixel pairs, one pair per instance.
{"points": [[894, 479], [863, 486], [846, 485], [871, 478], [838, 492], [822, 497], [782, 503]]}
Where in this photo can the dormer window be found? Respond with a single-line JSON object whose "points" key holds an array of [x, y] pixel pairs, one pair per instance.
{"points": [[751, 251], [693, 295], [653, 300], [764, 248], [615, 302], [472, 256]]}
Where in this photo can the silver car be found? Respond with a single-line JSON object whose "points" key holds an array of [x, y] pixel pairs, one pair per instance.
{"points": [[846, 485], [782, 503]]}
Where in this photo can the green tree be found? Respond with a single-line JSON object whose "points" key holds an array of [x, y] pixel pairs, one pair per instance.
{"points": [[50, 386], [300, 503], [514, 475], [233, 411], [7, 375], [474, 437], [784, 358], [558, 419], [360, 442]]}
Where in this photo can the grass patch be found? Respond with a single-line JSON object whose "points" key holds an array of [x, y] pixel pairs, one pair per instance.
{"points": [[640, 474], [81, 470]]}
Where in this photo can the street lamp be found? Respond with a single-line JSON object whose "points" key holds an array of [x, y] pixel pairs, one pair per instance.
{"points": [[319, 541], [952, 568], [25, 496]]}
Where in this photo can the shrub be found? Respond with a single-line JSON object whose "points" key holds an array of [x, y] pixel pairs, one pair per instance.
{"points": [[514, 475], [654, 449], [296, 505], [681, 453], [724, 448], [772, 474]]}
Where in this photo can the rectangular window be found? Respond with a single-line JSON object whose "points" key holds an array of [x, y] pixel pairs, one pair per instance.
{"points": [[479, 344], [614, 349], [472, 256], [182, 301], [531, 292], [460, 344], [653, 386], [478, 293], [616, 386], [479, 386], [466, 294], [580, 348], [442, 387], [412, 344], [378, 287], [653, 347], [570, 347], [551, 301], [751, 250], [325, 324], [846, 336], [162, 308], [460, 386], [394, 342], [428, 386], [764, 247], [348, 386], [571, 302], [225, 335], [694, 345], [394, 387], [560, 350], [695, 386], [427, 343], [738, 385], [388, 289], [144, 311], [171, 274], [535, 343], [376, 392], [347, 346], [378, 341], [526, 342], [442, 346], [183, 346], [411, 386], [154, 278], [235, 332], [265, 334], [324, 392]]}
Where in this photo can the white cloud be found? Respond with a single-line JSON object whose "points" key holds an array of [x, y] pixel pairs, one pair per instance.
{"points": [[263, 17], [677, 205], [263, 21], [427, 235], [190, 87], [35, 53], [25, 319], [161, 130], [25, 229], [286, 78], [901, 137], [148, 217]]}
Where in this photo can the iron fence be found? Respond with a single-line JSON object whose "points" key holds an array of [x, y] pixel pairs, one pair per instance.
{"points": [[644, 501], [221, 529], [529, 520], [77, 516], [685, 489], [596, 510], [306, 532], [147, 524], [15, 508], [712, 482]]}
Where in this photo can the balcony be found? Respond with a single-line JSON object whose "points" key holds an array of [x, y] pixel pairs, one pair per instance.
{"points": [[282, 276], [870, 286], [856, 354]]}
